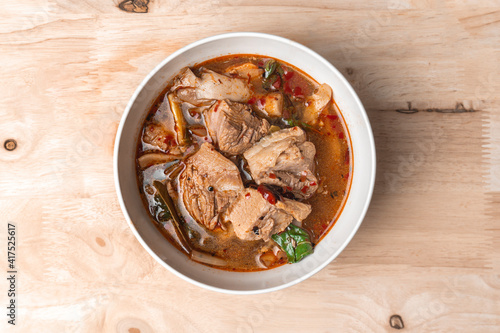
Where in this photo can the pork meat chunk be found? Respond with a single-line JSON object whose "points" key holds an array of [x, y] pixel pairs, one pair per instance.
{"points": [[284, 158], [247, 71], [208, 184], [253, 217], [210, 86], [157, 136], [233, 127]]}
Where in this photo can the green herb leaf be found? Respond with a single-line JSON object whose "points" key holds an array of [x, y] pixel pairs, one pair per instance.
{"points": [[295, 122], [295, 242], [266, 84], [291, 122], [270, 68], [280, 70]]}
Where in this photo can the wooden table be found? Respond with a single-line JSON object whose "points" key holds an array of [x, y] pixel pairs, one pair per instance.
{"points": [[428, 250]]}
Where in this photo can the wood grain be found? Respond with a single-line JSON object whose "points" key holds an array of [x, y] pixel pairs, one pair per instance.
{"points": [[428, 250]]}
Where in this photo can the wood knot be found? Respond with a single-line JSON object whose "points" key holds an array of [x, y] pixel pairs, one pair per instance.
{"points": [[10, 144], [396, 322], [410, 110], [134, 6], [100, 241]]}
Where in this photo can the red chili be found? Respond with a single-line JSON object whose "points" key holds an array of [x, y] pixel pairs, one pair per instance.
{"points": [[288, 90], [304, 189], [297, 91], [332, 117], [313, 184], [252, 100], [260, 103], [288, 188], [277, 83], [169, 139], [247, 195], [267, 194], [216, 106], [272, 176], [303, 178], [289, 75]]}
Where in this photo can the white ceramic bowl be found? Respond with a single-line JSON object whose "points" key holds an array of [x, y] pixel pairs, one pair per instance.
{"points": [[363, 173]]}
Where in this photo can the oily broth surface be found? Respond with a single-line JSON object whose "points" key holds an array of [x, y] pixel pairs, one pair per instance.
{"points": [[333, 161]]}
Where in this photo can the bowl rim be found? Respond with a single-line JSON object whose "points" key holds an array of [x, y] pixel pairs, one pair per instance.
{"points": [[280, 39]]}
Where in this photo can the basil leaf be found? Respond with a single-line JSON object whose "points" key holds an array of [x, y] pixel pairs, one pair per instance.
{"points": [[270, 68], [267, 83], [280, 70], [295, 242]]}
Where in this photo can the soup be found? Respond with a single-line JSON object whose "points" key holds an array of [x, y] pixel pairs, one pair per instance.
{"points": [[244, 162]]}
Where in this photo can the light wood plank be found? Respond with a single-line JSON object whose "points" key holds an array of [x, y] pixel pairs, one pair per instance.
{"points": [[429, 249]]}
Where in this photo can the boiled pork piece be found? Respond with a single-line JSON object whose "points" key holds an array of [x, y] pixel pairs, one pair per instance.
{"points": [[247, 71], [254, 217], [297, 209], [233, 127], [208, 184], [284, 158], [210, 86]]}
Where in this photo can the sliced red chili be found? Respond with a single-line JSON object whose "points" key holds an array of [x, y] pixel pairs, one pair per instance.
{"points": [[313, 184], [216, 106], [267, 194], [261, 102], [332, 117], [277, 83], [304, 189], [272, 176], [289, 75], [252, 100], [247, 195], [303, 178], [297, 91]]}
